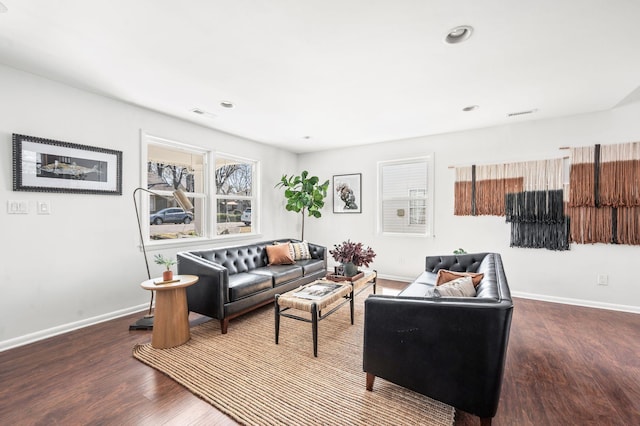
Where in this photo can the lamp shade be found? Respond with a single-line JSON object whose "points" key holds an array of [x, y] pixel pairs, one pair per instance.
{"points": [[182, 200]]}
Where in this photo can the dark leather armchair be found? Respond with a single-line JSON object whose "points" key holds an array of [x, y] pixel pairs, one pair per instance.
{"points": [[449, 349]]}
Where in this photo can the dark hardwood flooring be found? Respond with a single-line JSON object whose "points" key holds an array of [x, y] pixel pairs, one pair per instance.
{"points": [[566, 365]]}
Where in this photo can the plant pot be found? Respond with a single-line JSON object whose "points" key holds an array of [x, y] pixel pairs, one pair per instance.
{"points": [[167, 275], [350, 269]]}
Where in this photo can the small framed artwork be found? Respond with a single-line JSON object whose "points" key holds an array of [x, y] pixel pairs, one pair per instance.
{"points": [[46, 165], [347, 193]]}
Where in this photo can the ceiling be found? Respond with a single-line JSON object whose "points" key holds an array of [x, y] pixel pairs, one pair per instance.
{"points": [[308, 75]]}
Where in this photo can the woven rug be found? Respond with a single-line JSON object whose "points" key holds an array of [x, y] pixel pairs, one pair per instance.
{"points": [[256, 382]]}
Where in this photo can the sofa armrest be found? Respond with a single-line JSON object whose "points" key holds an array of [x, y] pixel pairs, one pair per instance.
{"points": [[211, 292], [450, 350]]}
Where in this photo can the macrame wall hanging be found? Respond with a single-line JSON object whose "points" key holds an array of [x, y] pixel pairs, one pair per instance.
{"points": [[604, 196], [529, 194]]}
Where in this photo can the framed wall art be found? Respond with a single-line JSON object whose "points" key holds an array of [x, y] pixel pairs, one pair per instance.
{"points": [[347, 195], [46, 165]]}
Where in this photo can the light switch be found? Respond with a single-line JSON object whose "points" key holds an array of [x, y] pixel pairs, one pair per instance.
{"points": [[17, 207], [44, 207]]}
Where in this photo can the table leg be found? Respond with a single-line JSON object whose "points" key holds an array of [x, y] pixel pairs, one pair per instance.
{"points": [[277, 308], [351, 305], [314, 326]]}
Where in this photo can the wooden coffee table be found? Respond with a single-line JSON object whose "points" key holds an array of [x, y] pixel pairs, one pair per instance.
{"points": [[171, 319]]}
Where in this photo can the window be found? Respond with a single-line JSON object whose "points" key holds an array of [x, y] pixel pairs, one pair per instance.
{"points": [[169, 167], [406, 194], [223, 196], [235, 195]]}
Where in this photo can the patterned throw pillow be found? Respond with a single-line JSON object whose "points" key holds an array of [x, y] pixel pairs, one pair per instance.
{"points": [[299, 251], [445, 276], [460, 287]]}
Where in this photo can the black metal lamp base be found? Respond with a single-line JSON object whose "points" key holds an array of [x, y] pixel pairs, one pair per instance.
{"points": [[145, 323]]}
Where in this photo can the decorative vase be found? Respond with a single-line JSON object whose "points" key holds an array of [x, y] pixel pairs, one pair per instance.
{"points": [[350, 269], [167, 275]]}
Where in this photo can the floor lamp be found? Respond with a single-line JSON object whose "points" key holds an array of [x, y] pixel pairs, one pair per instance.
{"points": [[146, 322]]}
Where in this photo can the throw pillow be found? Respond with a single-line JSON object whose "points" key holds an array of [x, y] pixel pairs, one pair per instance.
{"points": [[278, 254], [445, 276], [460, 287], [300, 251]]}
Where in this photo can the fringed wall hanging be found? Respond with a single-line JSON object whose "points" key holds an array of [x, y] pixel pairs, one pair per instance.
{"points": [[529, 194], [604, 200], [537, 214]]}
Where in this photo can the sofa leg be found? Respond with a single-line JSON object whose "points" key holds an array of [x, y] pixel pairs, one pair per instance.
{"points": [[370, 379], [485, 421], [224, 324]]}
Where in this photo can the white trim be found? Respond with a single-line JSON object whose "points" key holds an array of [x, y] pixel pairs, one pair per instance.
{"points": [[65, 328], [578, 302]]}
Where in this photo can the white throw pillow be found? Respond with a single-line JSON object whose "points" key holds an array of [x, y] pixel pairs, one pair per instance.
{"points": [[460, 287]]}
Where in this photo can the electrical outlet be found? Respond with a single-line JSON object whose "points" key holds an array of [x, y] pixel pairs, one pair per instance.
{"points": [[603, 279], [44, 207]]}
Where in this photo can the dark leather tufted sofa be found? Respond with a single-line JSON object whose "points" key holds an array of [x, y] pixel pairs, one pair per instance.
{"points": [[449, 349], [236, 280]]}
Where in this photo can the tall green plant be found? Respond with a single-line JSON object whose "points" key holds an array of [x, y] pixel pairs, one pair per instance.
{"points": [[304, 193]]}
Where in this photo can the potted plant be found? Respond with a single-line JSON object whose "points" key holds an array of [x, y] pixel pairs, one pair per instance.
{"points": [[304, 193], [352, 255], [168, 262]]}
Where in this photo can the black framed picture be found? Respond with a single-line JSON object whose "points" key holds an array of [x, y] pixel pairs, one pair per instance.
{"points": [[46, 165], [347, 193]]}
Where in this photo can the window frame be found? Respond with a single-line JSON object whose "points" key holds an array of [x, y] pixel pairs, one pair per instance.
{"points": [[428, 199], [208, 195], [254, 198]]}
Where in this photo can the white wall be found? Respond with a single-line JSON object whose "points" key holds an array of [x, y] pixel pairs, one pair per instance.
{"points": [[82, 263], [568, 276]]}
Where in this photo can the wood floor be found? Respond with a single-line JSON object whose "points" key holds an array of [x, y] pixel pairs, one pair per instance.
{"points": [[566, 365]]}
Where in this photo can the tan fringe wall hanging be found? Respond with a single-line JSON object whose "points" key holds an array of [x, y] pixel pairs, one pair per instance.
{"points": [[604, 195], [529, 194]]}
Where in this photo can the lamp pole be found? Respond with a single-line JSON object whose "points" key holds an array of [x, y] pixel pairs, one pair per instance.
{"points": [[146, 323]]}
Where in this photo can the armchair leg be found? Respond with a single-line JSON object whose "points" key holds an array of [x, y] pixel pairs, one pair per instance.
{"points": [[485, 421], [224, 324], [370, 379]]}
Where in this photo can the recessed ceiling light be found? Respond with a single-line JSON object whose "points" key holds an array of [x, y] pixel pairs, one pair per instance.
{"points": [[459, 34], [306, 137], [226, 104], [470, 108]]}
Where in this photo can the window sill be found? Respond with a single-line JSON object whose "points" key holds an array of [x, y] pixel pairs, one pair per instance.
{"points": [[195, 242]]}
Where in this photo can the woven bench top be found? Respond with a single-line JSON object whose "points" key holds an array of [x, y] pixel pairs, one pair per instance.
{"points": [[288, 300]]}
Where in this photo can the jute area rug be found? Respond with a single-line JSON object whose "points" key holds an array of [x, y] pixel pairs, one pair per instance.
{"points": [[256, 382]]}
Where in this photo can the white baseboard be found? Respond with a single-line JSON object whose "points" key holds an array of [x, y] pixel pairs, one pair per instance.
{"points": [[578, 302], [65, 328]]}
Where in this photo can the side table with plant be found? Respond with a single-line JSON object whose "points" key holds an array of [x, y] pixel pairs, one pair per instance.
{"points": [[168, 263], [352, 255]]}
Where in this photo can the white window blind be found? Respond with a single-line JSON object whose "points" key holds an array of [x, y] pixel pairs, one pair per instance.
{"points": [[406, 193]]}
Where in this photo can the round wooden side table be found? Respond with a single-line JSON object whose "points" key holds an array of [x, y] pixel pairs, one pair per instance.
{"points": [[171, 319]]}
